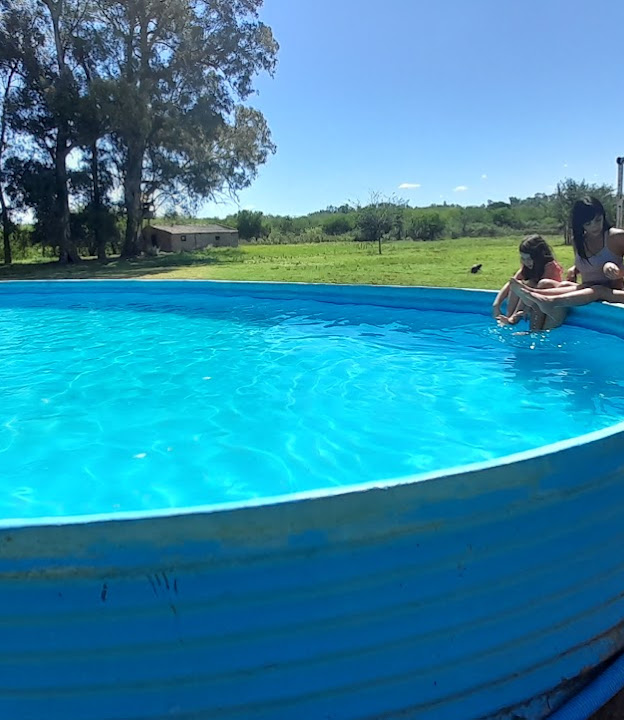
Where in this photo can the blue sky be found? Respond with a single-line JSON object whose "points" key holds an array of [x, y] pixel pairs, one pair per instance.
{"points": [[466, 101]]}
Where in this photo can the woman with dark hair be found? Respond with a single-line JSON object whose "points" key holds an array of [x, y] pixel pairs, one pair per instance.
{"points": [[538, 268], [599, 253]]}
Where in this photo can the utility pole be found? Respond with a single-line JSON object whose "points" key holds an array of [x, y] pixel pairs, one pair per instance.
{"points": [[619, 198]]}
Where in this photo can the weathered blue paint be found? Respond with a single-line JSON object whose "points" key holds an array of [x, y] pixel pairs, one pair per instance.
{"points": [[489, 591]]}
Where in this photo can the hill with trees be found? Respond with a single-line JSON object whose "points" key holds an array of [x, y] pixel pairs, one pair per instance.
{"points": [[388, 218]]}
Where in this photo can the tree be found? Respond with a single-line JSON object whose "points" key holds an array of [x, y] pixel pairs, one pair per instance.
{"points": [[337, 225], [91, 53], [18, 38], [47, 105], [177, 76], [284, 224], [32, 185], [249, 225], [379, 217], [427, 226], [9, 68]]}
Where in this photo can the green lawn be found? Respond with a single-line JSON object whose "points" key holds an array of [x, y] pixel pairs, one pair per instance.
{"points": [[443, 263]]}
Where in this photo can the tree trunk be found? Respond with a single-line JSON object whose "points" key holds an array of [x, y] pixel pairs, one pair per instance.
{"points": [[67, 250], [100, 239], [132, 196], [6, 231], [6, 223]]}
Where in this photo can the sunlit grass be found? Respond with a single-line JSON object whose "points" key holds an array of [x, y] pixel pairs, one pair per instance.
{"points": [[445, 263]]}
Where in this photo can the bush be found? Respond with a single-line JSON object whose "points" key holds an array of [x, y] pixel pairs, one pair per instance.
{"points": [[426, 226], [337, 225]]}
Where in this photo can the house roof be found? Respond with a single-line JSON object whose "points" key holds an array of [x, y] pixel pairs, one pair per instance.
{"points": [[193, 229]]}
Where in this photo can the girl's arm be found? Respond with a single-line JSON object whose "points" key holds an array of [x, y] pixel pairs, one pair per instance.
{"points": [[616, 245], [503, 294]]}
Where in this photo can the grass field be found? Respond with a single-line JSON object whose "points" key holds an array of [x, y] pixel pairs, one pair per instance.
{"points": [[444, 263]]}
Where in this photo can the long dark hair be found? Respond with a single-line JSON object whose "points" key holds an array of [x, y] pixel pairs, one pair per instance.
{"points": [[583, 211], [541, 253]]}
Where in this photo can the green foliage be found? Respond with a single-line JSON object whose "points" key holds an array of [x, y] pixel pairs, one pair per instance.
{"points": [[91, 221], [337, 225], [250, 225], [426, 226], [155, 90], [177, 102], [383, 216]]}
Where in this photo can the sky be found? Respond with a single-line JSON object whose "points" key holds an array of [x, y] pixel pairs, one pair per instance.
{"points": [[436, 100]]}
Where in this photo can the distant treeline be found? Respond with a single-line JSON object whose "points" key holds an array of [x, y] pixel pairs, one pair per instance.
{"points": [[390, 219], [382, 219]]}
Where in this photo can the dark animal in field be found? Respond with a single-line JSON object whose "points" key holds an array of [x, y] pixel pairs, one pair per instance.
{"points": [[475, 268]]}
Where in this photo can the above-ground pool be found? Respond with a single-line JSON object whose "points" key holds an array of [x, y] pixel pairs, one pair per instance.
{"points": [[150, 397], [257, 500]]}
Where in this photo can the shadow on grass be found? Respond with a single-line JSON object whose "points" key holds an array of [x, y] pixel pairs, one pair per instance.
{"points": [[117, 267]]}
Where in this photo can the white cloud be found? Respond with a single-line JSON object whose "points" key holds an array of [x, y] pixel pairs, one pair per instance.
{"points": [[409, 186], [484, 177], [460, 188], [565, 164]]}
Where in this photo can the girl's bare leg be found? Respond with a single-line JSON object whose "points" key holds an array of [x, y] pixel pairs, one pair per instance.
{"points": [[555, 317], [551, 313], [554, 289], [556, 306], [539, 320], [573, 298], [512, 304], [536, 320], [609, 294], [523, 292]]}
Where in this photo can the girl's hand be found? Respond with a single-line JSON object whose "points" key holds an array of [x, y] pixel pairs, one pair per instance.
{"points": [[611, 271], [516, 317]]}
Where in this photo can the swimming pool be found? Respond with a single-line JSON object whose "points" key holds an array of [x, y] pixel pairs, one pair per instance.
{"points": [[484, 590], [141, 398]]}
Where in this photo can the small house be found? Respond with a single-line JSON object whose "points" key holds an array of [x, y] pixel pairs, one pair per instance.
{"points": [[176, 238]]}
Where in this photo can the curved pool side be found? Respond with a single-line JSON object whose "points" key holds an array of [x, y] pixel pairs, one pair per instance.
{"points": [[492, 590]]}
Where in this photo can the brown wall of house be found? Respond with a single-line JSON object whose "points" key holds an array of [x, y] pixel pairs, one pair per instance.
{"points": [[193, 241]]}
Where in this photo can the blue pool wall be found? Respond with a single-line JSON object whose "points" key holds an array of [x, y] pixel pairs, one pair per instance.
{"points": [[602, 317]]}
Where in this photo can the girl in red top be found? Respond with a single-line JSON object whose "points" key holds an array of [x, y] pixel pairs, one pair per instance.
{"points": [[538, 266]]}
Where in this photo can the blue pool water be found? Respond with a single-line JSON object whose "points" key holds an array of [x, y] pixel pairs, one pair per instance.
{"points": [[113, 403]]}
